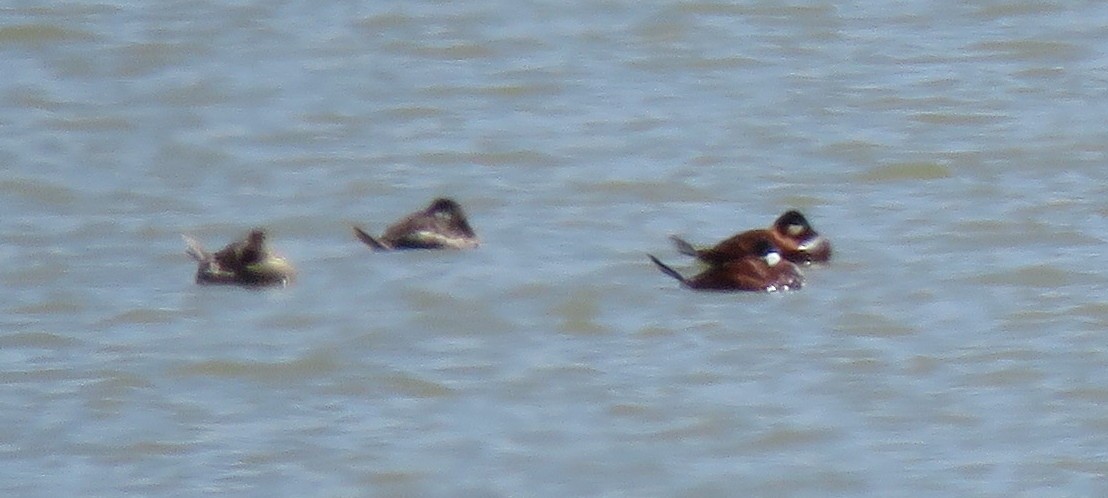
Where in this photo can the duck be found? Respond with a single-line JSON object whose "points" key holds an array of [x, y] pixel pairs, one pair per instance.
{"points": [[247, 262], [791, 233], [441, 225], [764, 270]]}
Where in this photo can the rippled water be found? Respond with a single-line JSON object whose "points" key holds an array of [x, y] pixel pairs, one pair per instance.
{"points": [[955, 155]]}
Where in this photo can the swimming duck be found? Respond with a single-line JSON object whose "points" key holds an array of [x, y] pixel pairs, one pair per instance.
{"points": [[245, 262], [791, 233], [442, 225], [762, 271]]}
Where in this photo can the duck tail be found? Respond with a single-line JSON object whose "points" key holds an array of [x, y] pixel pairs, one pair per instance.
{"points": [[683, 247], [667, 270], [195, 250], [369, 240]]}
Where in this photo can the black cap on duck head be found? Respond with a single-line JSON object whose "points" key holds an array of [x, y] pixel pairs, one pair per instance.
{"points": [[255, 245], [444, 205], [451, 212], [792, 224]]}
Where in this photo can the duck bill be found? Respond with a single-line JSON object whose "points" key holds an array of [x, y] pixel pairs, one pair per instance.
{"points": [[818, 249]]}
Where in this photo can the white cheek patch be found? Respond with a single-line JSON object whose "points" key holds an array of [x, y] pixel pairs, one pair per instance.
{"points": [[773, 258], [795, 230]]}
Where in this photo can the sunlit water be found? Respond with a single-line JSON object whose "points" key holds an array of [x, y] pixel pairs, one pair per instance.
{"points": [[955, 155]]}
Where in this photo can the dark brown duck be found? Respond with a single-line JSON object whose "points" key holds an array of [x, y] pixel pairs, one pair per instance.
{"points": [[247, 262], [791, 233], [763, 271], [442, 225]]}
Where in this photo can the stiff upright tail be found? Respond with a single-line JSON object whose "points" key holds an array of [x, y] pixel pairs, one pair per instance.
{"points": [[195, 250], [667, 270], [369, 240], [683, 247]]}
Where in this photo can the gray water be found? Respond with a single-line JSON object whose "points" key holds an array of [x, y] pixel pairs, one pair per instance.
{"points": [[954, 153]]}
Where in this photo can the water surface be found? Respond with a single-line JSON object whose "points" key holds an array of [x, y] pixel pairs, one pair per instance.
{"points": [[953, 153]]}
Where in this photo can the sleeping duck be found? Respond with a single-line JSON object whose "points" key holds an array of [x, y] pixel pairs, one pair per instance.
{"points": [[442, 225], [763, 270], [791, 234], [245, 262]]}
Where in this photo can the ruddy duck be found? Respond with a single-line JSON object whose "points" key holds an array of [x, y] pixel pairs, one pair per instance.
{"points": [[762, 271], [791, 233], [246, 262], [442, 225]]}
